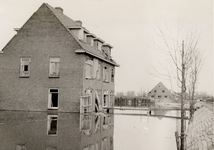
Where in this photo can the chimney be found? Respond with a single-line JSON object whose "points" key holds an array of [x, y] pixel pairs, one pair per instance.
{"points": [[59, 9], [79, 23]]}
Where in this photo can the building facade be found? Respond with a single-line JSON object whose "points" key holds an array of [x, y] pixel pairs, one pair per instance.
{"points": [[160, 92], [54, 63]]}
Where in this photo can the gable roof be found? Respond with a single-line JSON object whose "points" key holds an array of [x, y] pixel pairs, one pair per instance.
{"points": [[85, 48], [159, 85]]}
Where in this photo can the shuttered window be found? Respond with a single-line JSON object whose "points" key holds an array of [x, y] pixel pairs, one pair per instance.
{"points": [[25, 67], [54, 67]]}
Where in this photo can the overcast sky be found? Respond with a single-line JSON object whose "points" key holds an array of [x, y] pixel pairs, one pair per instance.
{"points": [[128, 25]]}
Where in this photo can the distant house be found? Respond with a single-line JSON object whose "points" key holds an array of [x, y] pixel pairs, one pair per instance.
{"points": [[54, 63], [159, 92]]}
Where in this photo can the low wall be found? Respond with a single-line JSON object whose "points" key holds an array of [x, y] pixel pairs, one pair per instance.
{"points": [[200, 132]]}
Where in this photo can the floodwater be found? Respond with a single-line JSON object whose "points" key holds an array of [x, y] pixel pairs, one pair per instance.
{"points": [[72, 131]]}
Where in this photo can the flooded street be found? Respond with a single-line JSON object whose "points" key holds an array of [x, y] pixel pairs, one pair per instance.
{"points": [[141, 132], [65, 131]]}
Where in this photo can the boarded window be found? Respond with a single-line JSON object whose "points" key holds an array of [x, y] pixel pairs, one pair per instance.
{"points": [[88, 69], [54, 67], [52, 124], [25, 67], [53, 97]]}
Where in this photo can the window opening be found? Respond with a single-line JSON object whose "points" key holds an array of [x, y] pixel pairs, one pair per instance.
{"points": [[112, 75], [24, 67], [53, 98], [52, 124]]}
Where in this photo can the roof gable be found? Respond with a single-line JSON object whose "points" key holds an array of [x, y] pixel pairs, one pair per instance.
{"points": [[87, 49], [160, 85]]}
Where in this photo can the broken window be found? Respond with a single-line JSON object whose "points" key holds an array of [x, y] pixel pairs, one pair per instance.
{"points": [[105, 98], [20, 147], [86, 124], [98, 106], [25, 67], [112, 74], [52, 124], [53, 96], [97, 123], [88, 69], [54, 67], [105, 74]]}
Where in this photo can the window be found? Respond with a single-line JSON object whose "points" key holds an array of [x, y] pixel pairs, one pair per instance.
{"points": [[112, 74], [52, 124], [98, 106], [104, 144], [86, 104], [54, 67], [86, 124], [88, 69], [105, 122], [159, 96], [53, 96], [166, 96], [25, 67], [105, 74], [97, 123], [155, 91], [105, 99], [152, 96], [20, 147], [163, 91], [98, 71]]}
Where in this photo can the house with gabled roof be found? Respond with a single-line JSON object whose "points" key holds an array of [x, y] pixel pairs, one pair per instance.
{"points": [[53, 63], [160, 92]]}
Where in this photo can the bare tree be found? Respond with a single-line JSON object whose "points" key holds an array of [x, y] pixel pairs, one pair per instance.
{"points": [[183, 62], [193, 77]]}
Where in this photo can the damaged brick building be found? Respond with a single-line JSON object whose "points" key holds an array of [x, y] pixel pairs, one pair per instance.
{"points": [[54, 63]]}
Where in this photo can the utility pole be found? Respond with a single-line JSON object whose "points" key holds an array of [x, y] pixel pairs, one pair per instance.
{"points": [[183, 89]]}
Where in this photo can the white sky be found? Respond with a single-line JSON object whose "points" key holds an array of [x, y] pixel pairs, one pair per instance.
{"points": [[128, 26]]}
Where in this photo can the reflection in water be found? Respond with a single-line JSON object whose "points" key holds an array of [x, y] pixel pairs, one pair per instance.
{"points": [[62, 131]]}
